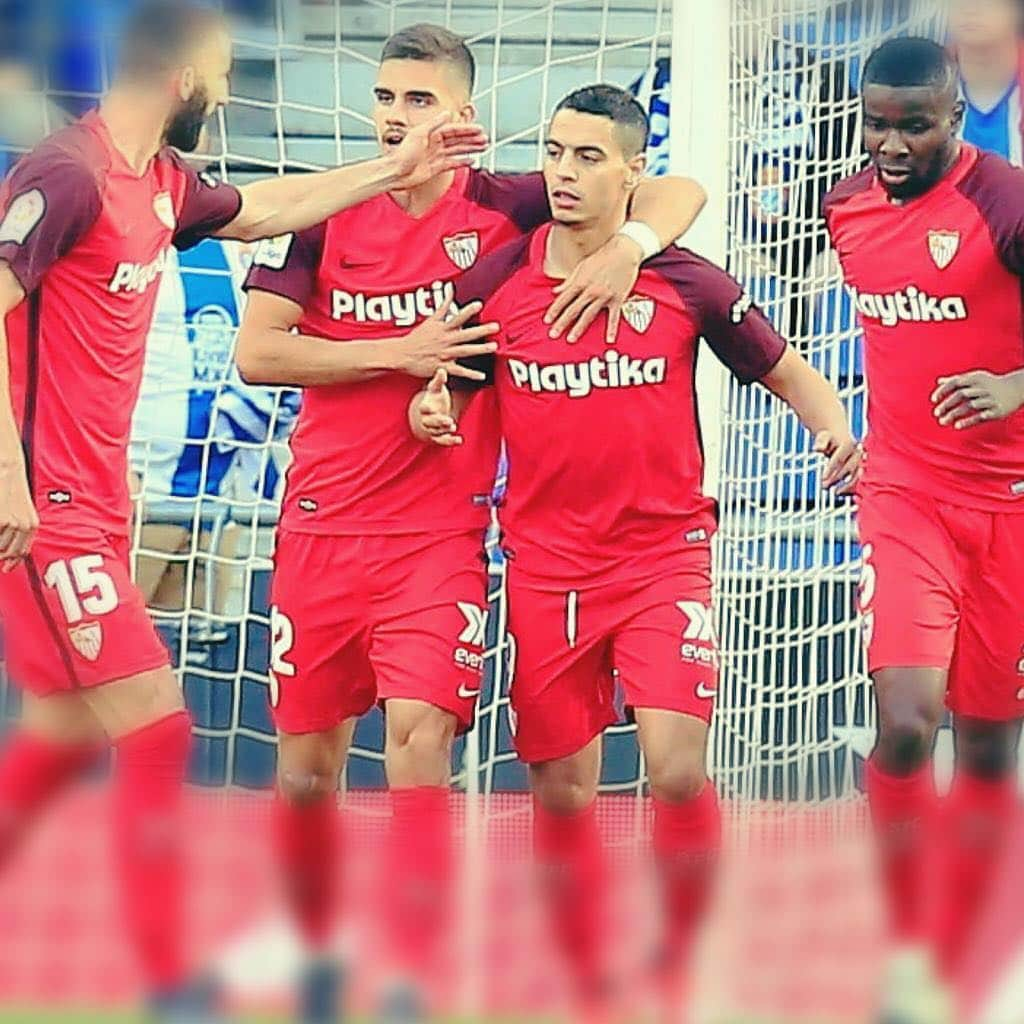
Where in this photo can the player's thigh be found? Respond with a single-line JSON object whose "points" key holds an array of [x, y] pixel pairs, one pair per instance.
{"points": [[124, 706], [60, 718], [418, 743], [73, 619], [987, 677], [675, 747], [320, 673], [568, 785], [665, 647], [911, 585], [430, 622], [562, 686], [309, 764]]}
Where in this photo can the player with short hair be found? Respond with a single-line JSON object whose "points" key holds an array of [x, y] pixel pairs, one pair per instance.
{"points": [[396, 611], [86, 221], [606, 527], [931, 240]]}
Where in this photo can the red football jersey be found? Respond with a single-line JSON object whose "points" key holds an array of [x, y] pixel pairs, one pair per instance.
{"points": [[604, 446], [87, 238], [373, 271], [937, 285]]}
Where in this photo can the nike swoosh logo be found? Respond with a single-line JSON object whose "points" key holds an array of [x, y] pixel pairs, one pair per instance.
{"points": [[467, 694], [705, 692]]}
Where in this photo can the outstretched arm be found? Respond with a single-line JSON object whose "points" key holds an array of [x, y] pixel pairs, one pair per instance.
{"points": [[665, 209], [294, 202], [269, 353], [817, 405]]}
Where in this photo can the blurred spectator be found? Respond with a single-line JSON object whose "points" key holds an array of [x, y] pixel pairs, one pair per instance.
{"points": [[199, 431], [986, 37]]}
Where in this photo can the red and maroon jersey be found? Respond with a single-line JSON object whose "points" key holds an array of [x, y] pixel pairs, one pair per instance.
{"points": [[372, 272], [937, 283], [87, 237], [604, 446]]}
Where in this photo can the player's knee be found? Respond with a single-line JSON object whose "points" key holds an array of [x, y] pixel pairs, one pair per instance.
{"points": [[560, 790], [678, 778], [905, 740], [303, 787], [423, 738], [987, 750]]}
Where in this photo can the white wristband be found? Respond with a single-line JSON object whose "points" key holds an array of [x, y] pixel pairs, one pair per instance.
{"points": [[644, 236]]}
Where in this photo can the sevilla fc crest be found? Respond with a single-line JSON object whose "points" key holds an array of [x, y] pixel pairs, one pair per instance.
{"points": [[463, 249], [639, 312], [87, 639], [943, 245], [163, 207]]}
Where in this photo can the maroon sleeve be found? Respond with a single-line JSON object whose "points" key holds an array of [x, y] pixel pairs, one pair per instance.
{"points": [[996, 189], [483, 283], [737, 331], [49, 202], [209, 205], [288, 265], [523, 198]]}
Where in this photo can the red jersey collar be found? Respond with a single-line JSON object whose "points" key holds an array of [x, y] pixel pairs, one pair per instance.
{"points": [[456, 191]]}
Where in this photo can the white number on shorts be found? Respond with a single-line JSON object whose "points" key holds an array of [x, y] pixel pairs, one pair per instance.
{"points": [[866, 593], [82, 587], [282, 640]]}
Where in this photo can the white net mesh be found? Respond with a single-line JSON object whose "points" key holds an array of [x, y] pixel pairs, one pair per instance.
{"points": [[794, 707]]}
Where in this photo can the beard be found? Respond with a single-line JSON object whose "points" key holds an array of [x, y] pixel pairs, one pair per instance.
{"points": [[186, 126]]}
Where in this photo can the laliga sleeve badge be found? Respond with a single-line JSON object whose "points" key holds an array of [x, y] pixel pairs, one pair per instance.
{"points": [[22, 217], [943, 247]]}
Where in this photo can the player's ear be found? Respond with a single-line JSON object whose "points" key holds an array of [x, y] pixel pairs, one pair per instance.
{"points": [[467, 112], [186, 83], [958, 116], [636, 170]]}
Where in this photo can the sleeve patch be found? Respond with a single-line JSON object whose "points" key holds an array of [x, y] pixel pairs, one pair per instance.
{"points": [[273, 252], [208, 179], [740, 308], [23, 217]]}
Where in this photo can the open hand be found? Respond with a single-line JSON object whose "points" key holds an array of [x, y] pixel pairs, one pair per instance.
{"points": [[968, 399], [434, 147], [845, 462]]}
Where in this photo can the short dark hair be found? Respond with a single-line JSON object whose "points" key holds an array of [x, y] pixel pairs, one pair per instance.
{"points": [[431, 43], [617, 105], [908, 62], [159, 35]]}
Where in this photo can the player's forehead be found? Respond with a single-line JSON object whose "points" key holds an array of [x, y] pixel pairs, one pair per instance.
{"points": [[434, 77], [902, 103], [574, 129]]}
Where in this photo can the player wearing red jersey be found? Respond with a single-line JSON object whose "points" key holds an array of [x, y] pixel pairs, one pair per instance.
{"points": [[931, 241], [377, 593], [86, 220], [607, 529]]}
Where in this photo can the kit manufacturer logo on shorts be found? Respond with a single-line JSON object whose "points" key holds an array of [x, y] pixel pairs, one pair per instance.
{"points": [[638, 312], [1017, 488], [87, 639], [943, 247], [700, 644], [463, 248]]}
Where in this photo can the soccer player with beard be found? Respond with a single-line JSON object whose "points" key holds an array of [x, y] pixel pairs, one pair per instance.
{"points": [[85, 222], [377, 594], [931, 240], [606, 525]]}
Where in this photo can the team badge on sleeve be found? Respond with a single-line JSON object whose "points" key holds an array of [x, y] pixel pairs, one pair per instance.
{"points": [[163, 207], [943, 246], [639, 312], [273, 252], [87, 639], [463, 249], [22, 217]]}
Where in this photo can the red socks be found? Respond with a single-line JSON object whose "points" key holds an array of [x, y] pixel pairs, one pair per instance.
{"points": [[571, 859], [904, 810], [308, 838], [420, 868], [976, 819], [687, 840], [33, 770], [148, 788]]}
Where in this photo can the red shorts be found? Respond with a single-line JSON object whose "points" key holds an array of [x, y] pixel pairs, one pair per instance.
{"points": [[656, 636], [941, 589], [356, 620], [73, 618]]}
